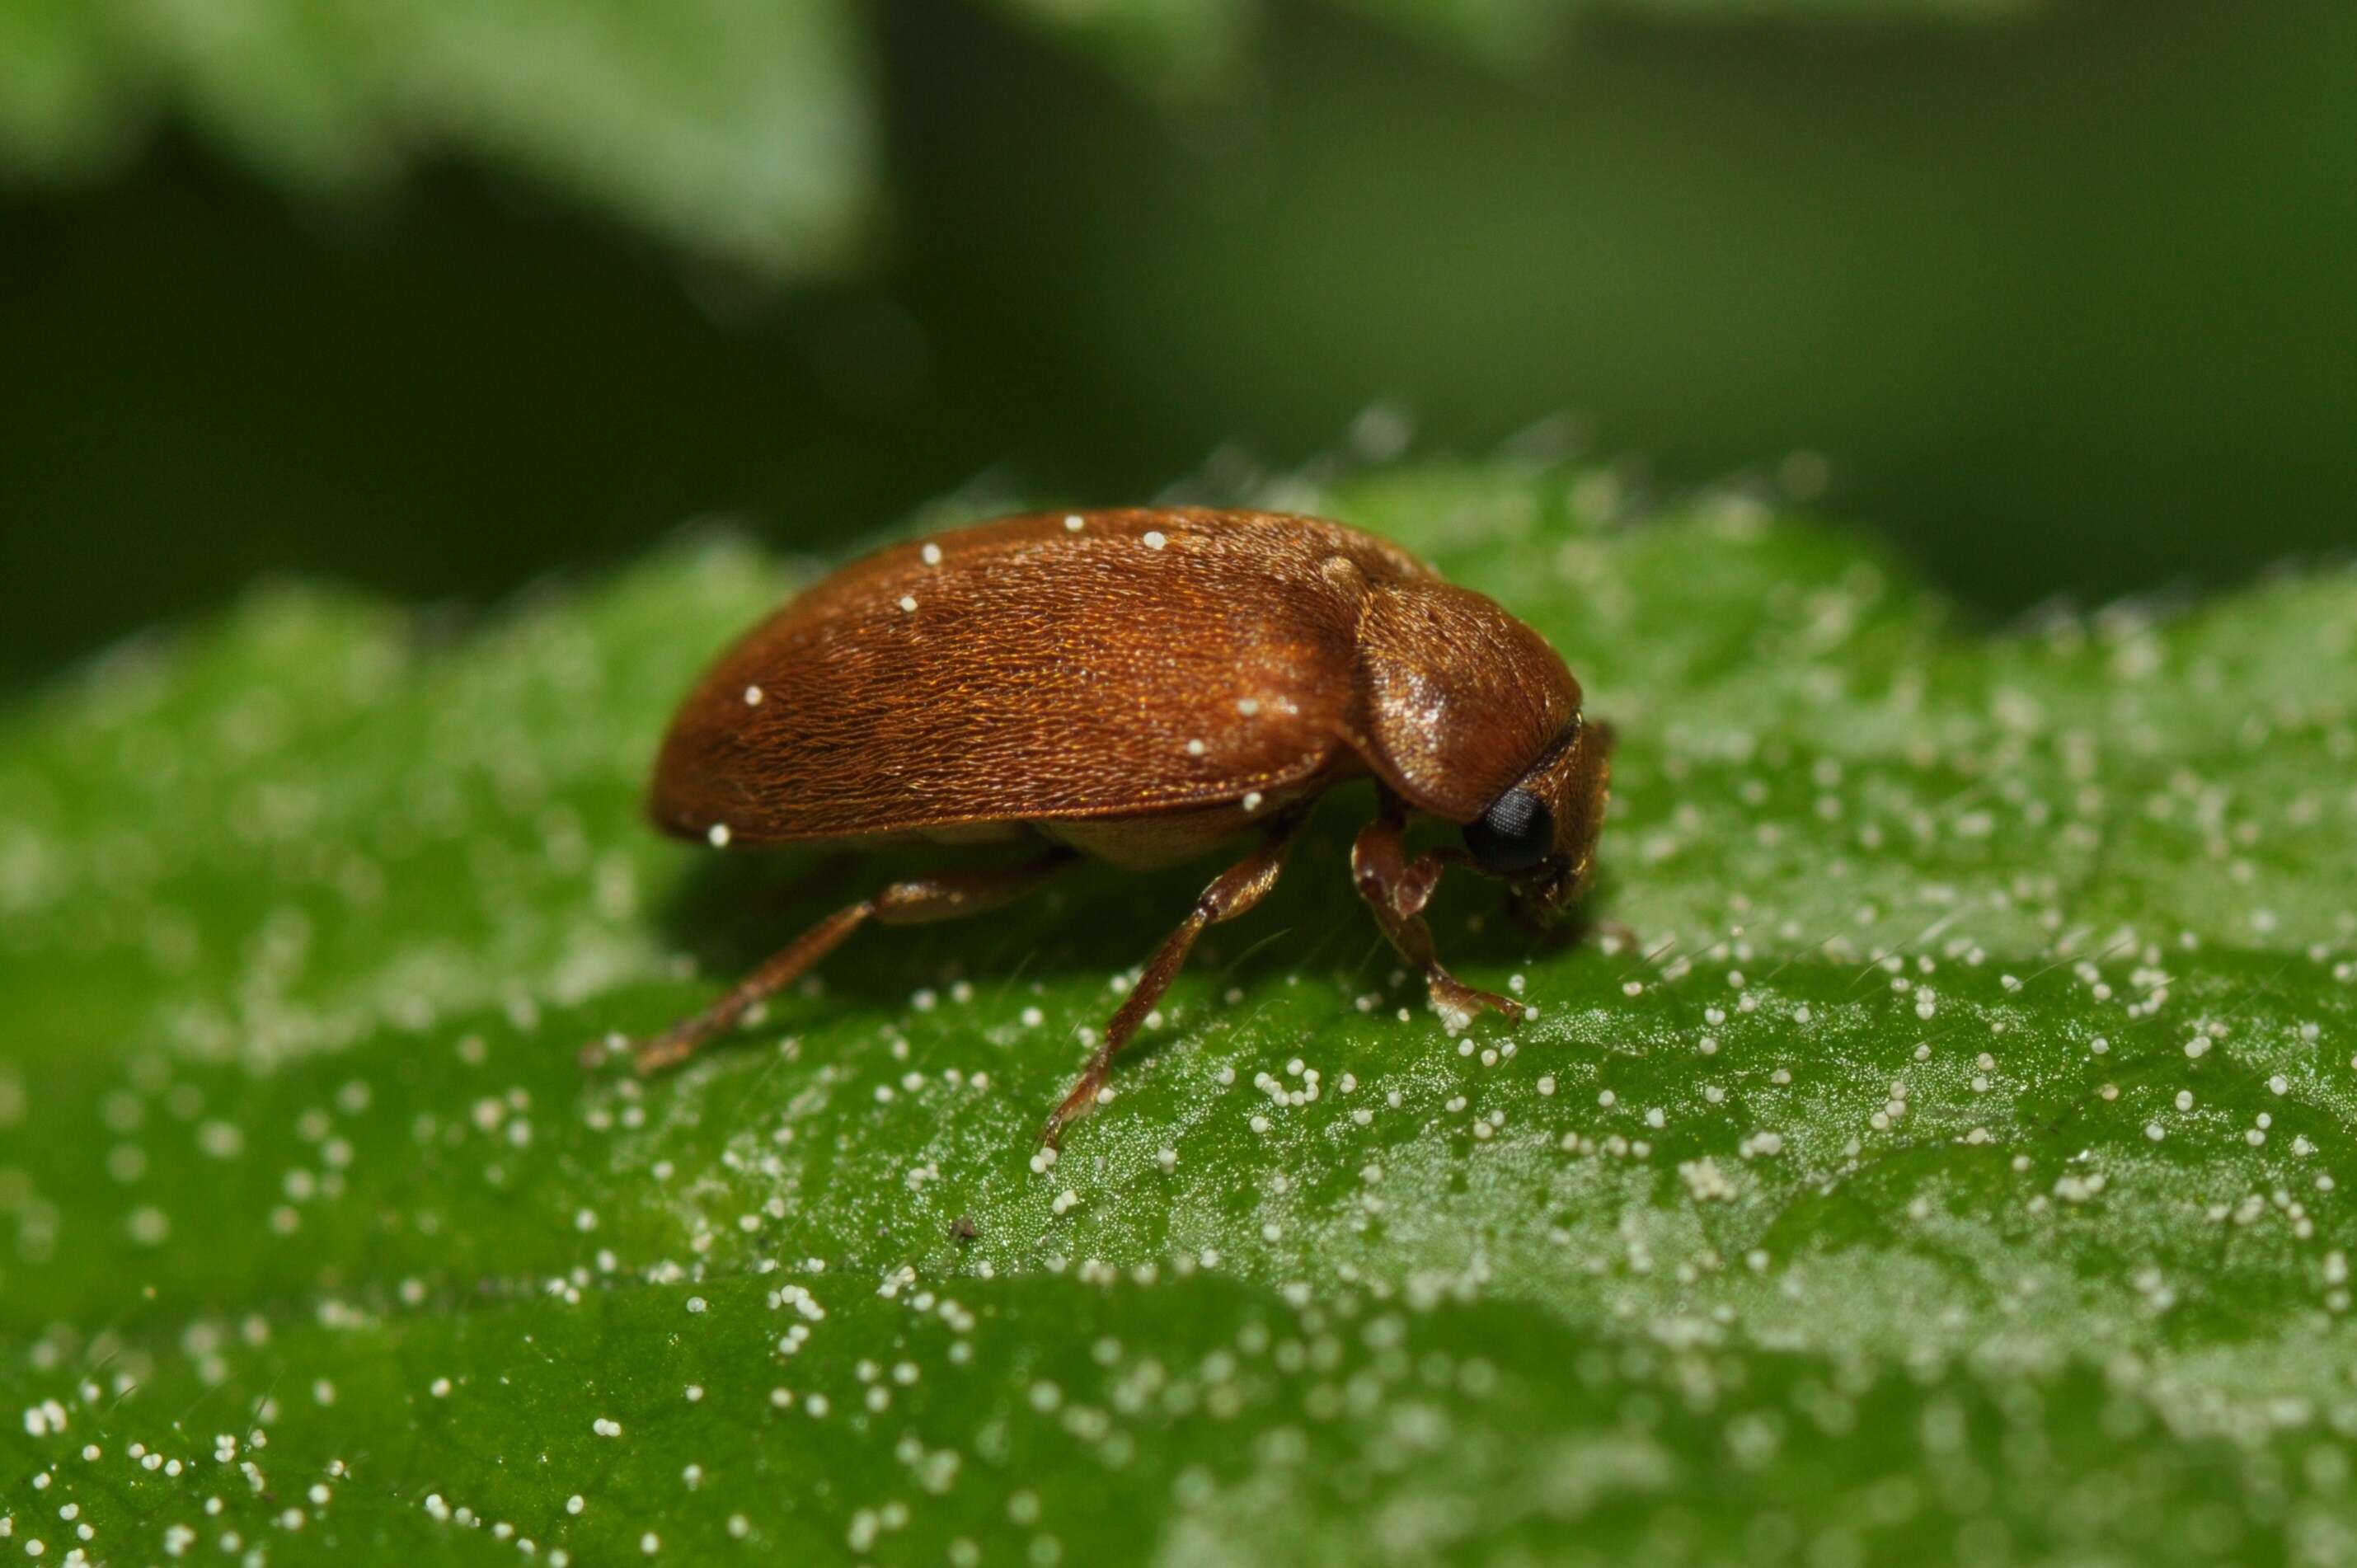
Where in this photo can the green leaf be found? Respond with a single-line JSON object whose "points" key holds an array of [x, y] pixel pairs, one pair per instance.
{"points": [[1955, 1175], [743, 130], [740, 128], [1511, 34], [1178, 49]]}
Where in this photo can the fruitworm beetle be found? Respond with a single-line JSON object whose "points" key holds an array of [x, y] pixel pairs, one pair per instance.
{"points": [[1137, 687]]}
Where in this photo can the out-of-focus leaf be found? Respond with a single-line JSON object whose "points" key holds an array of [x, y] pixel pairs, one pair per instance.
{"points": [[741, 128], [738, 129], [1175, 48], [58, 114], [1512, 33], [1955, 1175]]}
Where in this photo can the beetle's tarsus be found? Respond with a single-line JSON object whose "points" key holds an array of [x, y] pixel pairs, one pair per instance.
{"points": [[652, 1056], [663, 1052], [1078, 1102], [1459, 1003]]}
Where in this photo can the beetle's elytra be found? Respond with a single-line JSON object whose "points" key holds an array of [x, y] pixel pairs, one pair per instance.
{"points": [[1137, 687]]}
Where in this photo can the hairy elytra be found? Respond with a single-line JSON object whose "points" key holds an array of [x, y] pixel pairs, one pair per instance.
{"points": [[1137, 687]]}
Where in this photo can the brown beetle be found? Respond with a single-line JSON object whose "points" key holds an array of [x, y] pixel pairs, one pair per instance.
{"points": [[1137, 687]]}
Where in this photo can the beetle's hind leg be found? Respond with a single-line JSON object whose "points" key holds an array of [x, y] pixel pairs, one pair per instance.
{"points": [[1397, 888], [1232, 893], [946, 895]]}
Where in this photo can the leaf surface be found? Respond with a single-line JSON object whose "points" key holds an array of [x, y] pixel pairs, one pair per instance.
{"points": [[1955, 1171]]}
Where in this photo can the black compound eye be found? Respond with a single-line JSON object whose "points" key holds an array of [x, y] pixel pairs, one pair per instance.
{"points": [[1515, 833]]}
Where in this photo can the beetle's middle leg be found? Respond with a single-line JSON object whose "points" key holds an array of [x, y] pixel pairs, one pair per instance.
{"points": [[945, 896], [1232, 893], [1397, 888]]}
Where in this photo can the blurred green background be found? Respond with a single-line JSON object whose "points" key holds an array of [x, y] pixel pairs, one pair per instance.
{"points": [[437, 298]]}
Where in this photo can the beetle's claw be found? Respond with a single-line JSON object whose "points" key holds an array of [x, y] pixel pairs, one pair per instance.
{"points": [[648, 1056], [1459, 1003], [1074, 1105], [1505, 1006], [661, 1053], [664, 1049]]}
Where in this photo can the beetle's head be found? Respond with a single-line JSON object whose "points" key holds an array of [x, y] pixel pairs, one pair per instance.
{"points": [[1541, 834]]}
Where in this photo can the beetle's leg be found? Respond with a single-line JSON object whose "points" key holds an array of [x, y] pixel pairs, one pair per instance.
{"points": [[945, 896], [1397, 888], [1232, 893]]}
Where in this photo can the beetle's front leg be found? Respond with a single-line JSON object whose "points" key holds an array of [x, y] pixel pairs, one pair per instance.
{"points": [[1397, 888]]}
